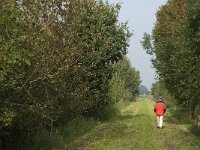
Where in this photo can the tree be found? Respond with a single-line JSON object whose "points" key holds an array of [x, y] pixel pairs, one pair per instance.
{"points": [[124, 85], [53, 56], [158, 89], [144, 90], [175, 41]]}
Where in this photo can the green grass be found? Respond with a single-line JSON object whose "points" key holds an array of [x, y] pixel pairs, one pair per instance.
{"points": [[195, 129], [65, 135], [134, 128], [131, 130]]}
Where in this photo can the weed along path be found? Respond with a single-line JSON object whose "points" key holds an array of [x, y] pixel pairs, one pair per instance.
{"points": [[135, 129]]}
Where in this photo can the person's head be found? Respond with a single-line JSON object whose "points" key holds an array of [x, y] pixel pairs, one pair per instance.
{"points": [[160, 100]]}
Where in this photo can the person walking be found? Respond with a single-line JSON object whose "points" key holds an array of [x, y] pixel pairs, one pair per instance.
{"points": [[160, 109]]}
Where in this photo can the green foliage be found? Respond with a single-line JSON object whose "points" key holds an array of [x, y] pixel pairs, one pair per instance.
{"points": [[51, 70], [159, 89], [147, 44], [144, 90], [176, 49], [195, 130], [124, 86], [63, 135], [118, 91]]}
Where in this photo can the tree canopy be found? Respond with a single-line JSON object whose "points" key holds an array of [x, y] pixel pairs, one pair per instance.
{"points": [[56, 63], [175, 46]]}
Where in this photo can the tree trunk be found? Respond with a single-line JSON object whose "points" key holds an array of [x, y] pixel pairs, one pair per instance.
{"points": [[192, 112]]}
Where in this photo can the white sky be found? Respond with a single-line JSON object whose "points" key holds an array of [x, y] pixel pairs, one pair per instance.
{"points": [[140, 15]]}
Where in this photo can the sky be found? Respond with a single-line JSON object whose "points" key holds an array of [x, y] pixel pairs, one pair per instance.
{"points": [[141, 18]]}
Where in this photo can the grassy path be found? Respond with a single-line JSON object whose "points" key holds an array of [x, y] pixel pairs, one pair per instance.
{"points": [[135, 129]]}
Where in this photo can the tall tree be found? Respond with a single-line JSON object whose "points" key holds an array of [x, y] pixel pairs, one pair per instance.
{"points": [[176, 40], [125, 82], [53, 62]]}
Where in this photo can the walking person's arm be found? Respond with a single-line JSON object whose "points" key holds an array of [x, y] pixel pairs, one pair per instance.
{"points": [[165, 108]]}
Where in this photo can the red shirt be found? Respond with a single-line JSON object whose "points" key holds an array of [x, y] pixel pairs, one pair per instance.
{"points": [[160, 109]]}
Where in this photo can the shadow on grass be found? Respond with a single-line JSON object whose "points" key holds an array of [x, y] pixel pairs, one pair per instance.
{"points": [[195, 130], [125, 117], [128, 116], [99, 132], [112, 129], [178, 117]]}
